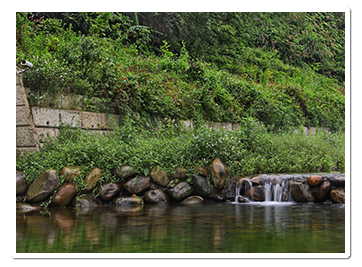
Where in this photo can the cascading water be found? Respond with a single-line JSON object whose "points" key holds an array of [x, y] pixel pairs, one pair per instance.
{"points": [[274, 192], [241, 191], [277, 192]]}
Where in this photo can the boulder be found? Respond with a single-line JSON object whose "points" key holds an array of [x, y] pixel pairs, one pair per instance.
{"points": [[201, 171], [202, 186], [219, 173], [43, 186], [300, 192], [230, 190], [125, 172], [108, 191], [85, 202], [314, 180], [323, 191], [256, 193], [179, 174], [242, 199], [70, 172], [128, 201], [338, 196], [21, 184], [137, 185], [256, 179], [64, 196], [156, 196], [159, 176], [180, 191], [92, 179], [339, 182], [217, 197], [193, 200]]}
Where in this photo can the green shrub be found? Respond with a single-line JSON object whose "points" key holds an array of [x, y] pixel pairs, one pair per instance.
{"points": [[105, 55]]}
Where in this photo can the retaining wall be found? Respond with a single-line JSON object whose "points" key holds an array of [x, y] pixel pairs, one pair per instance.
{"points": [[34, 123]]}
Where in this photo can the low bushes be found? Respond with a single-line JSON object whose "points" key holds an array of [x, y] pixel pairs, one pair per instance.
{"points": [[250, 150]]}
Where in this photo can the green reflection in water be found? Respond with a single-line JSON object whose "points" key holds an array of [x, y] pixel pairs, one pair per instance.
{"points": [[211, 228]]}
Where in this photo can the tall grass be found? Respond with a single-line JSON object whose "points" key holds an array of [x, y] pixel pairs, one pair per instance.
{"points": [[248, 151]]}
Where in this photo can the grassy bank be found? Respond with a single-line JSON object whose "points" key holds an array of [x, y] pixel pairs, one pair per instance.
{"points": [[248, 151], [282, 71], [113, 60]]}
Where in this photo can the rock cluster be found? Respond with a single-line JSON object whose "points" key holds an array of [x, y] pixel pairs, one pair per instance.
{"points": [[162, 188]]}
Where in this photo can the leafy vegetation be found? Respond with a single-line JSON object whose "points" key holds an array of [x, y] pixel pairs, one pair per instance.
{"points": [[283, 69], [247, 151], [271, 72]]}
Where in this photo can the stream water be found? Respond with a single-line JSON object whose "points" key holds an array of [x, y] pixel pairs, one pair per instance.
{"points": [[254, 227]]}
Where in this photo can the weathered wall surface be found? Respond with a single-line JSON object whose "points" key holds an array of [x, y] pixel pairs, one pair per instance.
{"points": [[25, 141], [34, 124]]}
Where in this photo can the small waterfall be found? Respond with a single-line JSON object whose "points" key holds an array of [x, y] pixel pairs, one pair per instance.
{"points": [[241, 191], [274, 192], [277, 192]]}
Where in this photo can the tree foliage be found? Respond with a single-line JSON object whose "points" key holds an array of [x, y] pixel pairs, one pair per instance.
{"points": [[283, 69]]}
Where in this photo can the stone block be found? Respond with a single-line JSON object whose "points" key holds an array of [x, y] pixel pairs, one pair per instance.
{"points": [[312, 130], [24, 150], [22, 116], [110, 121], [43, 134], [227, 126], [45, 117], [91, 120], [79, 100], [97, 132], [70, 118], [18, 77], [236, 126], [187, 125], [24, 137], [209, 124], [66, 101], [20, 96], [216, 125]]}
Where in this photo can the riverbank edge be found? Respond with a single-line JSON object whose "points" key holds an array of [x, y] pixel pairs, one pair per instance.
{"points": [[52, 190]]}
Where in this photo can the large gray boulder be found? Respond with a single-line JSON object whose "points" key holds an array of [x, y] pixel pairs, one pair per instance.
{"points": [[219, 173], [21, 184], [125, 172], [337, 196], [193, 200], [92, 179], [180, 191], [137, 185], [300, 192], [159, 176], [203, 187], [43, 186], [156, 196], [108, 191]]}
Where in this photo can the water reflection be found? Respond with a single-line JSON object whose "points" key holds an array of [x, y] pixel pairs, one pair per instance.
{"points": [[176, 228]]}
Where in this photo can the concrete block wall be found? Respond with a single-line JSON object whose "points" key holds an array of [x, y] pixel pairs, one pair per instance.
{"points": [[34, 125], [25, 139]]}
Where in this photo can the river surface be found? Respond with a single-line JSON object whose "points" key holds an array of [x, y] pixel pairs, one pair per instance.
{"points": [[210, 228]]}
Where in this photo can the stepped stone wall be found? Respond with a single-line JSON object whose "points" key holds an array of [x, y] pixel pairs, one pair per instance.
{"points": [[35, 123], [25, 140]]}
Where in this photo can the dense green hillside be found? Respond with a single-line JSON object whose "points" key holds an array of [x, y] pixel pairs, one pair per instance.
{"points": [[281, 69]]}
